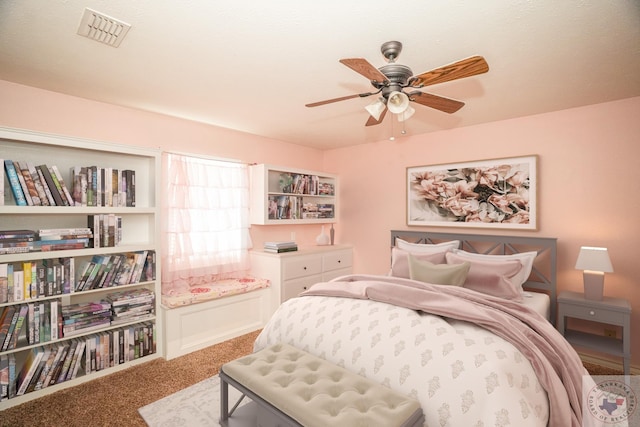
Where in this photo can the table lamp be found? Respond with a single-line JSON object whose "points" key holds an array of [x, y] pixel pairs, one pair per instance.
{"points": [[595, 262]]}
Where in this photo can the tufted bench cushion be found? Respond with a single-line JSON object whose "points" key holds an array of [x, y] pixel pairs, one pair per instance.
{"points": [[314, 392]]}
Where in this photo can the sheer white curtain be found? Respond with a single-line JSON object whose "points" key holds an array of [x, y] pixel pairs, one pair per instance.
{"points": [[205, 218]]}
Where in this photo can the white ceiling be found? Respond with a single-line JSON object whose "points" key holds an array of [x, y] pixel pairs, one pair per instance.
{"points": [[253, 65]]}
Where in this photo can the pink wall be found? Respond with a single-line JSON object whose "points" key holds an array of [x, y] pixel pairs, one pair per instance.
{"points": [[586, 172], [587, 187], [29, 108]]}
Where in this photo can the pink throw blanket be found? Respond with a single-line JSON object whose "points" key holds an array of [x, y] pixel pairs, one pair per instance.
{"points": [[557, 365]]}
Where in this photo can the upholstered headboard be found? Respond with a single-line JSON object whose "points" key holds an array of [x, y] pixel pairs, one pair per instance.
{"points": [[543, 274]]}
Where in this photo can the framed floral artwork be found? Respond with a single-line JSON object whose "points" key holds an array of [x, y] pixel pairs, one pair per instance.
{"points": [[499, 193]]}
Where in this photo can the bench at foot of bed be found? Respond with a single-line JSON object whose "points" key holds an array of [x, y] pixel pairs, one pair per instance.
{"points": [[290, 387]]}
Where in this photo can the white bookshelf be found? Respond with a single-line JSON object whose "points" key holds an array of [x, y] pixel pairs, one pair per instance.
{"points": [[294, 204], [140, 226]]}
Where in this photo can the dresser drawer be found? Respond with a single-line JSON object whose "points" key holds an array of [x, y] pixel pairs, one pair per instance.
{"points": [[301, 266], [337, 260], [593, 313], [293, 288]]}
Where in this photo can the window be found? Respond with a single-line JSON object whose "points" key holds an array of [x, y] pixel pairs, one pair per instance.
{"points": [[205, 230]]}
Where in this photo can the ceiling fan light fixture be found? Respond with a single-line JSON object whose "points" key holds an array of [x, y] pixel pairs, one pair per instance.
{"points": [[376, 108], [398, 102], [406, 113]]}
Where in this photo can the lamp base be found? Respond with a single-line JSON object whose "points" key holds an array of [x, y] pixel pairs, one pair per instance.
{"points": [[593, 285]]}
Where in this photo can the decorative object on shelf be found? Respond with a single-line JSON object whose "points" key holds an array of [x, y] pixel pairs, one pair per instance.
{"points": [[595, 262], [498, 193], [323, 238], [332, 234]]}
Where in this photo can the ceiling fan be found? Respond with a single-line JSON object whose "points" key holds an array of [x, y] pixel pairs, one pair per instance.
{"points": [[392, 79]]}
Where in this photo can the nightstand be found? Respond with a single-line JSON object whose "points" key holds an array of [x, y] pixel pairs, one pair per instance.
{"points": [[610, 311]]}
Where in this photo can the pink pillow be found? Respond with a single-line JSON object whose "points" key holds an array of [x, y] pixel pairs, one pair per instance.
{"points": [[400, 261], [490, 277]]}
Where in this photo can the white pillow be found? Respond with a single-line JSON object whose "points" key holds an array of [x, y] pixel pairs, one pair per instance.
{"points": [[427, 248], [525, 258]]}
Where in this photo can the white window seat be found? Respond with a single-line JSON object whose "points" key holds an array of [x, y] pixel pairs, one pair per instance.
{"points": [[210, 314]]}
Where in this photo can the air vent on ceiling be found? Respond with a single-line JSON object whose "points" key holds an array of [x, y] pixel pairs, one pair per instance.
{"points": [[102, 28]]}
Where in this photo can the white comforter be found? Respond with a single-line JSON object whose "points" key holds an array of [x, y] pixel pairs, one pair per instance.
{"points": [[461, 374]]}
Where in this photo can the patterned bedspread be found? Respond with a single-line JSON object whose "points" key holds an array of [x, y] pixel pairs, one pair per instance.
{"points": [[462, 374]]}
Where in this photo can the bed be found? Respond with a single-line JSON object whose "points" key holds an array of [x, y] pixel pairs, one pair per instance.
{"points": [[469, 358]]}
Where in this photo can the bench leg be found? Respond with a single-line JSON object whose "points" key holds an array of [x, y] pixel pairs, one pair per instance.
{"points": [[224, 403]]}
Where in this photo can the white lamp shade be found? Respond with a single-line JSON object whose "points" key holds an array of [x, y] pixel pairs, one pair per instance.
{"points": [[406, 114], [398, 102], [375, 109], [594, 259]]}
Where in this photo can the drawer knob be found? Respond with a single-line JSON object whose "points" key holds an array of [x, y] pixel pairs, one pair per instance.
{"points": [[304, 268], [593, 313], [339, 261]]}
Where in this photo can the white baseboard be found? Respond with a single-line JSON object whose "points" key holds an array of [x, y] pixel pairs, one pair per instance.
{"points": [[196, 326]]}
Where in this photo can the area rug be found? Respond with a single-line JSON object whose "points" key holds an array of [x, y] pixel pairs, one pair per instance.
{"points": [[197, 406]]}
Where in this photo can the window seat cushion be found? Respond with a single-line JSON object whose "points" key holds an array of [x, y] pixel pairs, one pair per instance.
{"points": [[215, 290]]}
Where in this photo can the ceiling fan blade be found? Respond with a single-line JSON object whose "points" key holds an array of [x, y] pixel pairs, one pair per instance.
{"points": [[458, 70], [362, 66], [372, 121], [446, 105], [342, 98]]}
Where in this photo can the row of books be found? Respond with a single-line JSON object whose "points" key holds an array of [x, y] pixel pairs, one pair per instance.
{"points": [[131, 306], [39, 185], [53, 239], [305, 184], [106, 229], [28, 280], [293, 207], [98, 186], [84, 317], [56, 363], [105, 271], [102, 230], [42, 185], [40, 322], [279, 247], [30, 323]]}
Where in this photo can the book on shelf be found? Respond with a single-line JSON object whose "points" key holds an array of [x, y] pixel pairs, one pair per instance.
{"points": [[50, 185], [280, 250], [47, 362], [58, 186], [28, 186], [276, 245], [38, 371], [15, 328], [14, 183], [4, 377], [28, 369], [6, 318], [18, 235], [35, 177], [131, 296], [4, 286], [64, 233], [2, 192], [12, 375], [55, 173]]}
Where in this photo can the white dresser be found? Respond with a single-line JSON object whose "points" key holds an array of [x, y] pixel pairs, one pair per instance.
{"points": [[291, 273]]}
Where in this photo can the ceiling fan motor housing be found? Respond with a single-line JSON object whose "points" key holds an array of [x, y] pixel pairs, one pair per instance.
{"points": [[397, 75]]}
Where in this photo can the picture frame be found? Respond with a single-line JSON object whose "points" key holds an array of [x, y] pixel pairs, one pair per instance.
{"points": [[497, 193]]}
